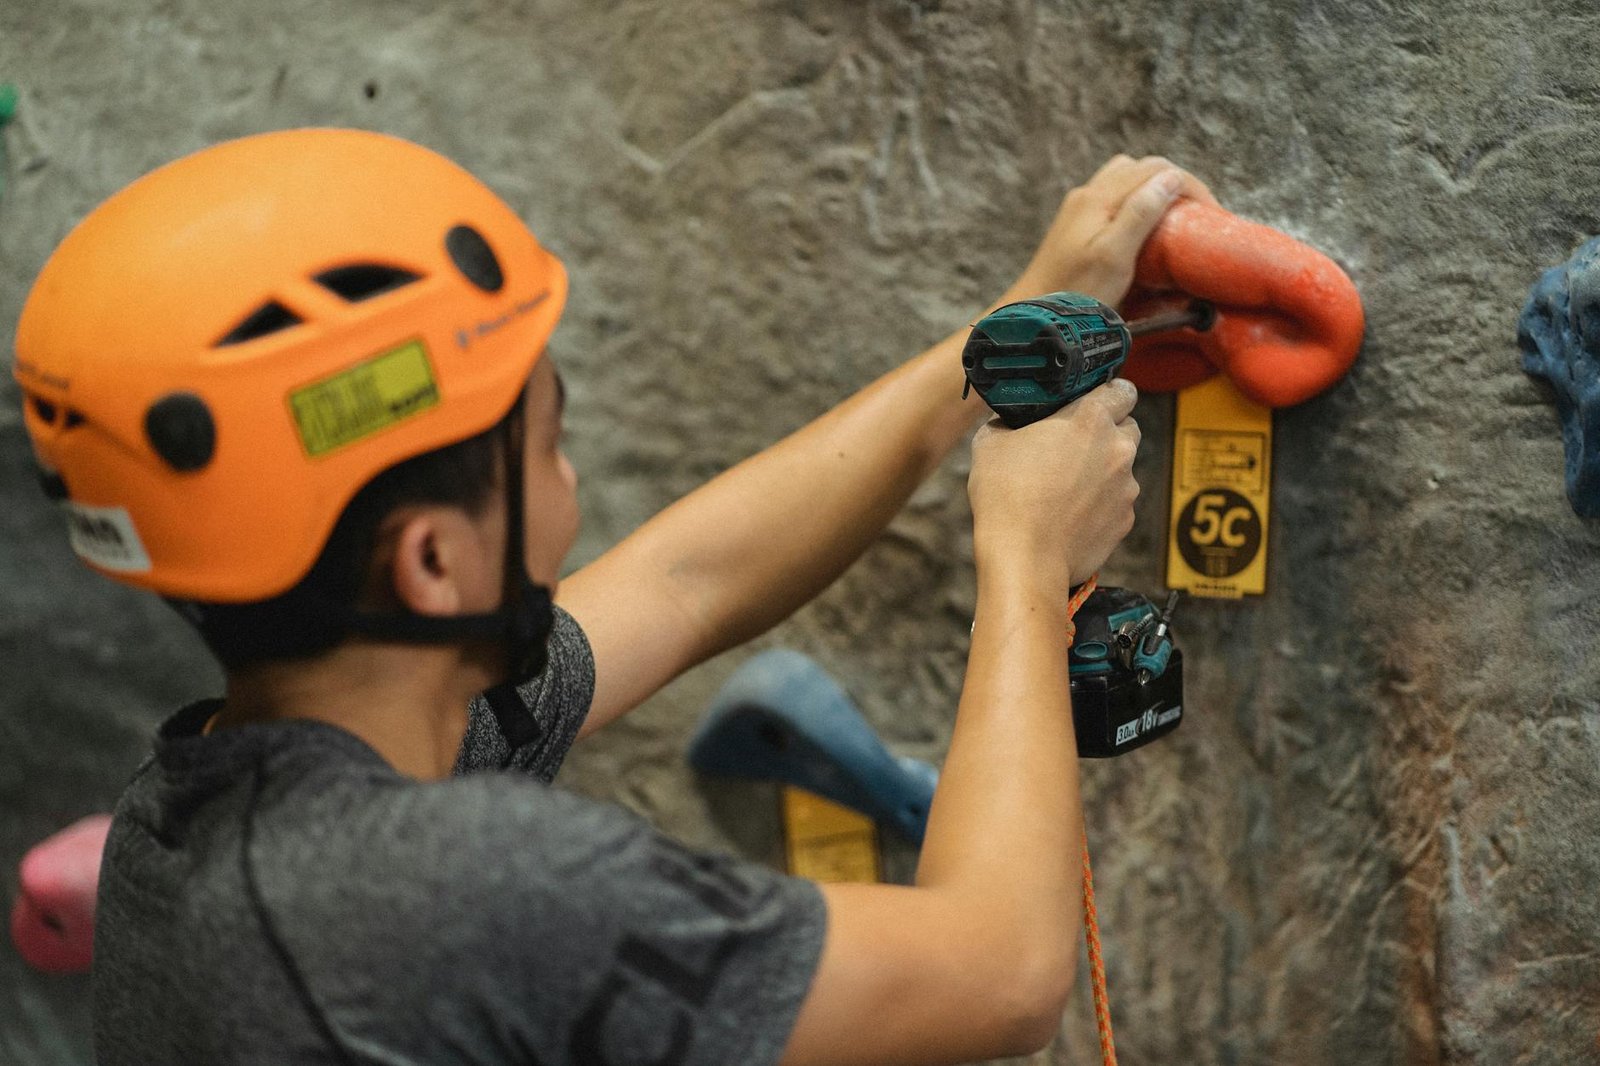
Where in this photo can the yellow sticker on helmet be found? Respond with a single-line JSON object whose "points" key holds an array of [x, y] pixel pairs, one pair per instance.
{"points": [[370, 396]]}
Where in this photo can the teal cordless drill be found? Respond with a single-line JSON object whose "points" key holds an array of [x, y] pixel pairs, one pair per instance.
{"points": [[1027, 360]]}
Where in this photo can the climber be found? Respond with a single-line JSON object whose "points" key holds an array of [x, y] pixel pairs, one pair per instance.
{"points": [[296, 384]]}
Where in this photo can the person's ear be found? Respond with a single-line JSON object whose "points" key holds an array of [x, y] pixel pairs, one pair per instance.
{"points": [[435, 568]]}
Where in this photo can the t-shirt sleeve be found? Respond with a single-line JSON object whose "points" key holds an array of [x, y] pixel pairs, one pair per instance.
{"points": [[533, 732]]}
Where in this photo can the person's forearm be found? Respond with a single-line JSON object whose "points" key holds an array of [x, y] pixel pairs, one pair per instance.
{"points": [[758, 542], [1005, 826]]}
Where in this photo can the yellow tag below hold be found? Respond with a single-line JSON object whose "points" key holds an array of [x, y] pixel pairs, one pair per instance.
{"points": [[827, 842], [1221, 492], [341, 409]]}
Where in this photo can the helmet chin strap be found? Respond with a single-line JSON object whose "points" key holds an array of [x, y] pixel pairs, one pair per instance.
{"points": [[526, 613], [528, 608]]}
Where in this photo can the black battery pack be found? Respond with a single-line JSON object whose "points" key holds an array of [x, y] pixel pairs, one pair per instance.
{"points": [[1127, 673], [1113, 713]]}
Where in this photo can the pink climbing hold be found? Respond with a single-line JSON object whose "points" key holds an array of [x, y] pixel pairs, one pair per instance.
{"points": [[52, 923]]}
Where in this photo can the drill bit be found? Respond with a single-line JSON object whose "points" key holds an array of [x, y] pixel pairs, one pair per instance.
{"points": [[1158, 634], [1198, 315]]}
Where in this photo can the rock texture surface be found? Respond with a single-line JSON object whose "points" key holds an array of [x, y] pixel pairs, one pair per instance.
{"points": [[1377, 838]]}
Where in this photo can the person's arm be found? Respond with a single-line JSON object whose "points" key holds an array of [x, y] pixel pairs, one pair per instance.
{"points": [[747, 549], [976, 960]]}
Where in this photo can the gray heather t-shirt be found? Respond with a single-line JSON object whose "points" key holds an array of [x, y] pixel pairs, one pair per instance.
{"points": [[277, 893]]}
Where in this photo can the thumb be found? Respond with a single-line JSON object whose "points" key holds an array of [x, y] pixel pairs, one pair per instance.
{"points": [[1140, 213], [1116, 397]]}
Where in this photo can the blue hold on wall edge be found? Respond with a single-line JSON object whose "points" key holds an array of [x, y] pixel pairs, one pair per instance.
{"points": [[781, 717], [1559, 334]]}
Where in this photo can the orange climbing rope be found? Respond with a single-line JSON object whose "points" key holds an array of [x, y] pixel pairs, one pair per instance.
{"points": [[1091, 920], [1097, 964], [1077, 601]]}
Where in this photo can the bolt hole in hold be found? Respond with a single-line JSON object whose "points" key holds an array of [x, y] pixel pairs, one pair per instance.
{"points": [[773, 735], [370, 90]]}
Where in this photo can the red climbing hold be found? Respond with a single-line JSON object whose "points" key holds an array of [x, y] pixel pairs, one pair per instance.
{"points": [[52, 923], [1288, 323]]}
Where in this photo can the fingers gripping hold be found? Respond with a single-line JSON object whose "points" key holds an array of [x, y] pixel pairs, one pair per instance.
{"points": [[1138, 215], [1096, 234]]}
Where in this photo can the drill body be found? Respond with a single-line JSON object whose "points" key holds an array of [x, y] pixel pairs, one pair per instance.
{"points": [[1027, 360], [1031, 358]]}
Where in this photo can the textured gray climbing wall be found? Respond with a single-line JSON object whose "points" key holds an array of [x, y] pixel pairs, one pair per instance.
{"points": [[1376, 839]]}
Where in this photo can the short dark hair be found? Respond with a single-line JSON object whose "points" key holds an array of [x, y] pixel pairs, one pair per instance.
{"points": [[307, 620]]}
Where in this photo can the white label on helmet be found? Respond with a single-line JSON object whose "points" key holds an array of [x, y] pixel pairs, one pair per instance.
{"points": [[105, 537]]}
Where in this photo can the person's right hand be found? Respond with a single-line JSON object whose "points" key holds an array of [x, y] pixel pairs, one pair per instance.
{"points": [[1052, 499]]}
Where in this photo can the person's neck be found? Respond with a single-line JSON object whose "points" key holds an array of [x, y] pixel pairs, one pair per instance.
{"points": [[408, 703]]}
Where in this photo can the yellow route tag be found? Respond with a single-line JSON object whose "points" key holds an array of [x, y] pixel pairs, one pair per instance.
{"points": [[341, 409], [1221, 492], [827, 842]]}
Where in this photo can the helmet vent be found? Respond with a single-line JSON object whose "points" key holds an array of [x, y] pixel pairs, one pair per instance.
{"points": [[474, 258], [54, 485], [363, 281], [181, 431], [270, 317], [48, 411]]}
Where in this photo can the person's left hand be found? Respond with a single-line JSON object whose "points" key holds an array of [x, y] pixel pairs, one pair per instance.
{"points": [[1101, 225]]}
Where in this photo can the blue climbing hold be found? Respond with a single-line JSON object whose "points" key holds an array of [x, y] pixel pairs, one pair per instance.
{"points": [[1559, 334], [781, 717]]}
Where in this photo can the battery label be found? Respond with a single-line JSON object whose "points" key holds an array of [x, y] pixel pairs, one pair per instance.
{"points": [[355, 403], [1221, 492]]}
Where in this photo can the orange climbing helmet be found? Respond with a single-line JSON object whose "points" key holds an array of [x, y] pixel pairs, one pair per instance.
{"points": [[221, 355]]}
